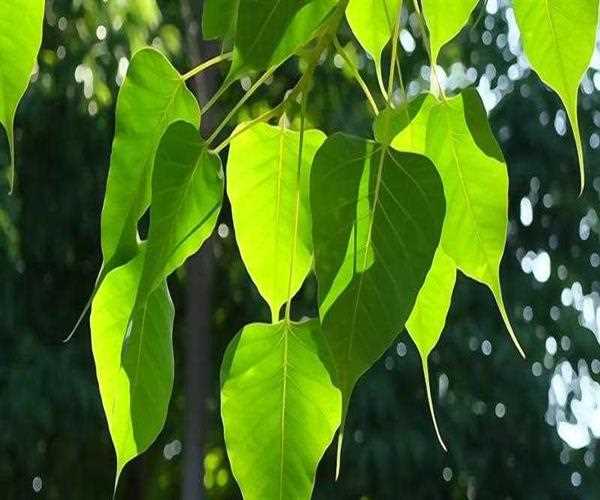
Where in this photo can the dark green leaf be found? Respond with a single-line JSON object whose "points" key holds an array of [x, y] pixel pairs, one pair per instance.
{"points": [[377, 221]]}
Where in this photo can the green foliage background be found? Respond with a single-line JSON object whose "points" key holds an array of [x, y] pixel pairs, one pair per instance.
{"points": [[51, 422]]}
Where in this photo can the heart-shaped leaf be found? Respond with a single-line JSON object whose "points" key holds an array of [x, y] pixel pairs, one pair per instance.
{"points": [[377, 221], [279, 406], [270, 206], [559, 37], [456, 135]]}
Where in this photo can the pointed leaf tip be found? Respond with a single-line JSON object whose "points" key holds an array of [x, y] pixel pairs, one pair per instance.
{"points": [[500, 302], [430, 403]]}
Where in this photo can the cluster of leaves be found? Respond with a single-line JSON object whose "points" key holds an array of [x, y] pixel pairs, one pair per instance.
{"points": [[384, 223]]}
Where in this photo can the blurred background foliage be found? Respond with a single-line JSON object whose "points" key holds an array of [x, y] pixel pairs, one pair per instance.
{"points": [[515, 429]]}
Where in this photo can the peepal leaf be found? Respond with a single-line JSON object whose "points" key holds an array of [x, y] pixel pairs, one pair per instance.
{"points": [[268, 32], [275, 446], [263, 186], [372, 22], [559, 37], [375, 235], [132, 314], [187, 192], [428, 317], [152, 97], [135, 381], [20, 40], [445, 20], [218, 18], [458, 139]]}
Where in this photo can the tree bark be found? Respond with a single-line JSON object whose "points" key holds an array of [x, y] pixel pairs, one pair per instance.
{"points": [[200, 275]]}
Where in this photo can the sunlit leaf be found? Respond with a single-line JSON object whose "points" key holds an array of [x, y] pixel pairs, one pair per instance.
{"points": [[559, 37], [132, 309], [152, 97], [262, 186], [445, 20], [20, 40], [218, 18], [428, 317], [372, 22], [459, 140], [187, 192], [280, 408], [377, 220], [135, 376], [269, 32]]}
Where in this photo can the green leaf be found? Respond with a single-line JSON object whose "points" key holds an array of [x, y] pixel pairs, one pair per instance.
{"points": [[268, 32], [263, 188], [20, 40], [445, 20], [152, 97], [134, 366], [219, 18], [187, 192], [428, 317], [377, 220], [372, 22], [132, 309], [460, 142], [559, 37], [279, 407]]}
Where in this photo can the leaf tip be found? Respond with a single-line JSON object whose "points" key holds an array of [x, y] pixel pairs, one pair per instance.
{"points": [[338, 458], [498, 296], [430, 404]]}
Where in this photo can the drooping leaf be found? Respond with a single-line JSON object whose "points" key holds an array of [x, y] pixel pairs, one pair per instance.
{"points": [[187, 192], [372, 22], [458, 139], [559, 37], [262, 186], [428, 317], [152, 97], [132, 313], [268, 32], [20, 40], [135, 376], [377, 220], [445, 20], [218, 18], [280, 408]]}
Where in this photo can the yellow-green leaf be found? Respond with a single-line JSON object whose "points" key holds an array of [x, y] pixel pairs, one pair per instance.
{"points": [[270, 207], [132, 314], [445, 20], [458, 139], [20, 40], [428, 317], [559, 37], [134, 366], [372, 22], [152, 97], [280, 408]]}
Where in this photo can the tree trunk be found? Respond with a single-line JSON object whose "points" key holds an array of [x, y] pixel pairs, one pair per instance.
{"points": [[200, 273]]}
